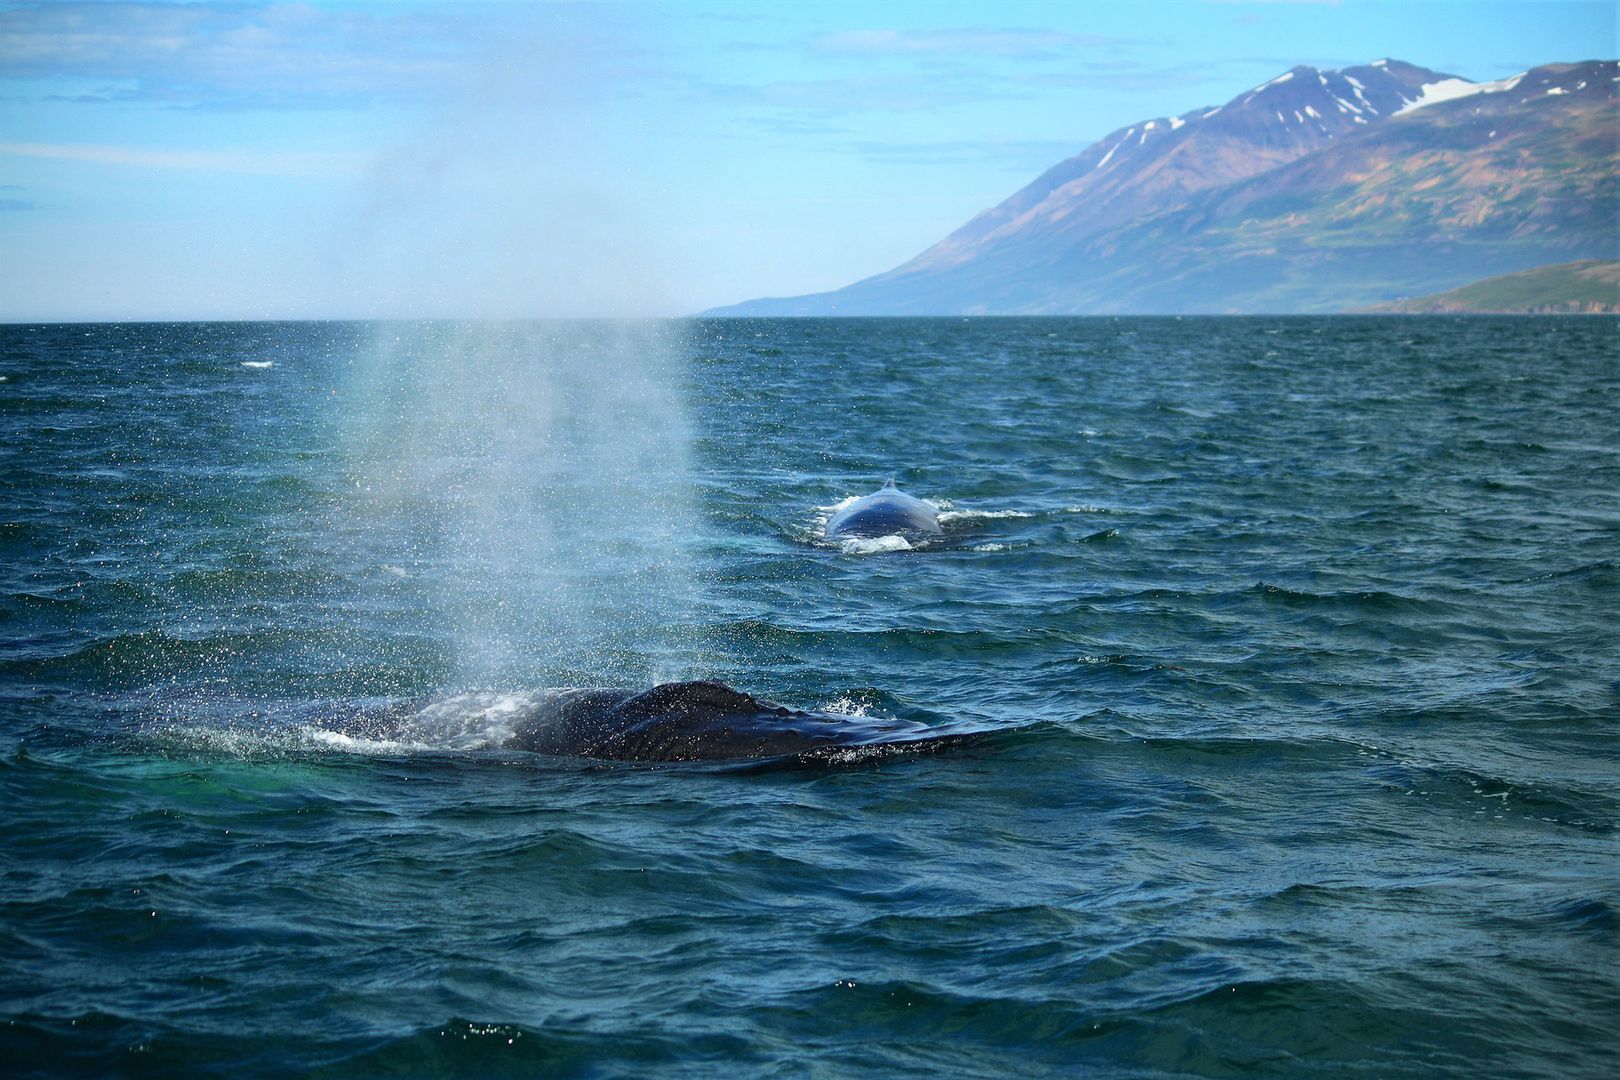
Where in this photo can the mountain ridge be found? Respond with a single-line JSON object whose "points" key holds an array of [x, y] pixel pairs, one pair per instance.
{"points": [[1285, 198]]}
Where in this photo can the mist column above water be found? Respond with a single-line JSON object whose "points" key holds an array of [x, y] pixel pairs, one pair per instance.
{"points": [[530, 480]]}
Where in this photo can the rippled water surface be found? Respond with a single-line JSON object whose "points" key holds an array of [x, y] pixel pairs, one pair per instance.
{"points": [[1294, 643]]}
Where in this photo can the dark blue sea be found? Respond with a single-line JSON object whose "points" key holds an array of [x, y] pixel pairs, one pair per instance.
{"points": [[1290, 646]]}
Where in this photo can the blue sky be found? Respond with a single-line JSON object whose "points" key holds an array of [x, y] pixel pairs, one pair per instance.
{"points": [[311, 160]]}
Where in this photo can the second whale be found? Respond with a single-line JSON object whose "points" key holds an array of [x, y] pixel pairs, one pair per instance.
{"points": [[884, 513]]}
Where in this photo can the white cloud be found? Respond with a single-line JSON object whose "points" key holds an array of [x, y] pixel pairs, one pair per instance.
{"points": [[880, 93], [964, 41], [274, 55], [281, 163]]}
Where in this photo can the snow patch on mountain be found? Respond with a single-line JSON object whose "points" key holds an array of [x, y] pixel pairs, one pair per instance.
{"points": [[1452, 89]]}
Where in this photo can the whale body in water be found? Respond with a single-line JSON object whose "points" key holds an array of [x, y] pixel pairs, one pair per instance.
{"points": [[884, 513], [682, 721]]}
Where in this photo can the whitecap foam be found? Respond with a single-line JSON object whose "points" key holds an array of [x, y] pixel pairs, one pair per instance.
{"points": [[258, 363], [281, 743], [325, 739], [993, 547], [846, 706], [875, 545], [982, 515]]}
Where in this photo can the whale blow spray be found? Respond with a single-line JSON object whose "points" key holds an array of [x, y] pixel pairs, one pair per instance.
{"points": [[528, 482]]}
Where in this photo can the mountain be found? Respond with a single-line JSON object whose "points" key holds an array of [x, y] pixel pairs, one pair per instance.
{"points": [[1589, 287], [1316, 191]]}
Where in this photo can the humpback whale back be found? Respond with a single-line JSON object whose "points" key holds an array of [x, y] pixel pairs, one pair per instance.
{"points": [[693, 721], [885, 512], [691, 698], [690, 721]]}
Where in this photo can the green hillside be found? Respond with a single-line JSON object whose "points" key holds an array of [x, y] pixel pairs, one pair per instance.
{"points": [[1590, 286]]}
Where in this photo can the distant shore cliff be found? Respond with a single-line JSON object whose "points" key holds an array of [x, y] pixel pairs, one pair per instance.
{"points": [[1589, 287]]}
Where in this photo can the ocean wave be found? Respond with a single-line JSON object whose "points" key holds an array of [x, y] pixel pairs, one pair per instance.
{"points": [[318, 659], [1276, 731], [1370, 600], [1492, 795]]}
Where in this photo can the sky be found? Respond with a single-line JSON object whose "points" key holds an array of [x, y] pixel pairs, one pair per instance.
{"points": [[241, 160]]}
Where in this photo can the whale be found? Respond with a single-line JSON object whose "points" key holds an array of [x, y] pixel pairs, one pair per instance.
{"points": [[883, 513], [692, 721], [671, 722]]}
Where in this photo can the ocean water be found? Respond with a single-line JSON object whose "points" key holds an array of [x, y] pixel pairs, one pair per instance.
{"points": [[1294, 644]]}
